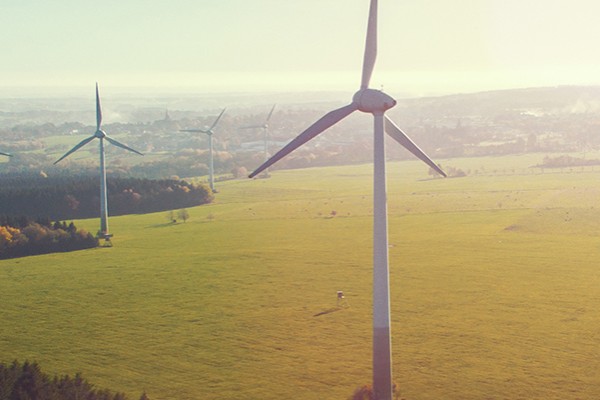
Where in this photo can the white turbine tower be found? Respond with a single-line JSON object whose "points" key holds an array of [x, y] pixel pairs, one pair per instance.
{"points": [[101, 135], [209, 132], [265, 127], [373, 102]]}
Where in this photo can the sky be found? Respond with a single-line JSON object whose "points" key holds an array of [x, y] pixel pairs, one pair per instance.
{"points": [[219, 46]]}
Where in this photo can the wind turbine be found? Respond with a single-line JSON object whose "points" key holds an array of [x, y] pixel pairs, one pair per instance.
{"points": [[265, 128], [101, 135], [377, 103], [209, 132]]}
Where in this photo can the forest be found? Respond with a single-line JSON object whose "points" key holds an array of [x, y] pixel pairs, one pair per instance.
{"points": [[77, 197], [20, 237]]}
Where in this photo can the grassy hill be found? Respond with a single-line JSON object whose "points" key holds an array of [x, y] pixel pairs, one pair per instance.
{"points": [[494, 279]]}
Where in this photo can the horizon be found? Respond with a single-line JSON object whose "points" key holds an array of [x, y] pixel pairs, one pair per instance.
{"points": [[133, 92]]}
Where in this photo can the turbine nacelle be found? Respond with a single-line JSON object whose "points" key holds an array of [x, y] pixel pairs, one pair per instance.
{"points": [[373, 101], [100, 134]]}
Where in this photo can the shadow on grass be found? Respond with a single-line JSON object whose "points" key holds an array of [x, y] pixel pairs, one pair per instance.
{"points": [[164, 225], [328, 311]]}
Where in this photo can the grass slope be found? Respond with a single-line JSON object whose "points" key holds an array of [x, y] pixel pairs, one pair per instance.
{"points": [[495, 291]]}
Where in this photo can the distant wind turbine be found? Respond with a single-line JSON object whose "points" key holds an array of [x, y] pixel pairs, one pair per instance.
{"points": [[209, 132], [101, 135], [265, 128], [373, 102]]}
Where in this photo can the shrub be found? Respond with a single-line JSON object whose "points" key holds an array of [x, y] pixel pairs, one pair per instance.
{"points": [[27, 382]]}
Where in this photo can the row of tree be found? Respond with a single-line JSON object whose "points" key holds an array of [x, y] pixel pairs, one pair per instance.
{"points": [[21, 237], [563, 161], [27, 381], [63, 197]]}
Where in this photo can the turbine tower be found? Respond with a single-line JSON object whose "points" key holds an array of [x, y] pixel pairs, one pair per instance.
{"points": [[209, 132], [377, 103], [265, 128], [101, 135]]}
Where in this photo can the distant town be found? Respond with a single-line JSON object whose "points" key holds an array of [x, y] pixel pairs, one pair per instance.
{"points": [[547, 121]]}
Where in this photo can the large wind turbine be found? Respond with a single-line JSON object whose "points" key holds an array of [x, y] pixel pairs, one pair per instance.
{"points": [[101, 135], [209, 132], [265, 127], [377, 103]]}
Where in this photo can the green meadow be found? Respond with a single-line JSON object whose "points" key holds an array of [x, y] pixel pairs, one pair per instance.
{"points": [[495, 286]]}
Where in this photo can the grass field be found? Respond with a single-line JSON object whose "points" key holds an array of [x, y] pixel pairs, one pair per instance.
{"points": [[494, 278]]}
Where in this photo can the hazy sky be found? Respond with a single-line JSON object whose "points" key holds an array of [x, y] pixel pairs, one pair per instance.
{"points": [[425, 46]]}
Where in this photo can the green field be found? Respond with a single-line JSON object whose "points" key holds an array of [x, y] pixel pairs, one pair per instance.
{"points": [[494, 278]]}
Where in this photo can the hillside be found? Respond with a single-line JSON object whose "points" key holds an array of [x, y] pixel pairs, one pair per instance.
{"points": [[494, 289]]}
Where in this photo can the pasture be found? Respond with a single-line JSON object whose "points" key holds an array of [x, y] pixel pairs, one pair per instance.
{"points": [[494, 281]]}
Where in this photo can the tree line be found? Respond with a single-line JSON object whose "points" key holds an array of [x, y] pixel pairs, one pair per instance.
{"points": [[564, 161], [22, 236], [27, 381], [77, 197]]}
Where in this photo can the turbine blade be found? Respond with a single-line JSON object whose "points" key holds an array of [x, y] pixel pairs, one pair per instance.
{"points": [[74, 149], [98, 110], [401, 137], [370, 46], [121, 145], [5, 154], [325, 122], [271, 113], [217, 120]]}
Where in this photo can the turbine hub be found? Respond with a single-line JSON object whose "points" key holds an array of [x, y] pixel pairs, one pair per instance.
{"points": [[372, 101], [100, 134]]}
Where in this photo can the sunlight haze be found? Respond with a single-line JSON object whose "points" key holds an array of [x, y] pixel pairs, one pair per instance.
{"points": [[425, 47]]}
